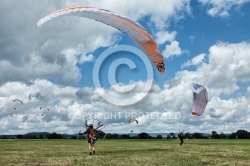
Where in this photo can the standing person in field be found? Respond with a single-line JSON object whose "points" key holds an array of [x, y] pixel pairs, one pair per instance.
{"points": [[91, 136], [180, 137]]}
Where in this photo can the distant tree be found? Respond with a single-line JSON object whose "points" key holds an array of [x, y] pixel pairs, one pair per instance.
{"points": [[34, 137], [115, 136], [101, 134], [242, 134], [59, 136], [74, 137], [143, 135], [232, 136], [108, 136], [171, 134], [187, 135], [197, 135], [19, 136], [83, 137], [26, 137], [215, 135], [134, 137], [159, 137], [41, 136], [48, 136], [223, 136], [168, 136], [54, 136], [125, 136]]}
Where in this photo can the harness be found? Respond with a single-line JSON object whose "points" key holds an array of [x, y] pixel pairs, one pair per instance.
{"points": [[91, 134]]}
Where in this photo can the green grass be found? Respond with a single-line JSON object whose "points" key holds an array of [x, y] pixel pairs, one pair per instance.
{"points": [[125, 152]]}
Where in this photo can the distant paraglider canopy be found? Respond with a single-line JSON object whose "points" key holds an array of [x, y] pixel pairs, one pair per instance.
{"points": [[200, 98], [132, 120], [44, 108], [131, 28], [17, 100]]}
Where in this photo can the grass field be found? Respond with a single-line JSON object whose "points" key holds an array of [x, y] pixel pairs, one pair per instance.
{"points": [[125, 152]]}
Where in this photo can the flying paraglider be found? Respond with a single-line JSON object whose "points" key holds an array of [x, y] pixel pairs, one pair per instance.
{"points": [[200, 98], [44, 108], [18, 101], [132, 120], [131, 28]]}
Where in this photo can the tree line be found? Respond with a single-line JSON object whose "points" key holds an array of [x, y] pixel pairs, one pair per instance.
{"points": [[239, 134]]}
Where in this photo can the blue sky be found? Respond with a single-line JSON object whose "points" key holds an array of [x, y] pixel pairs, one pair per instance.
{"points": [[207, 42], [196, 32]]}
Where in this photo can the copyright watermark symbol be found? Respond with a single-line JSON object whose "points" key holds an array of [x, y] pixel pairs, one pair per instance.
{"points": [[119, 94]]}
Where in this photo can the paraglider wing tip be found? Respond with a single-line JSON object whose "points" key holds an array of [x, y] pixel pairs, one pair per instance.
{"points": [[41, 22], [38, 24]]}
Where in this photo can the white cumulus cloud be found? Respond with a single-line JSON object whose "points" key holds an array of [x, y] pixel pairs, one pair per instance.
{"points": [[221, 8], [195, 60]]}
